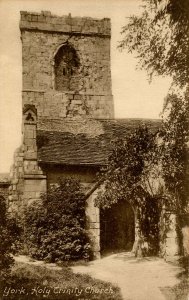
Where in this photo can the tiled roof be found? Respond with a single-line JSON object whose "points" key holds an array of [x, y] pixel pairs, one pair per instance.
{"points": [[83, 147]]}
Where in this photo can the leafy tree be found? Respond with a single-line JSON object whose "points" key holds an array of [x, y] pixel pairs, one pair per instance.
{"points": [[54, 226], [130, 176], [160, 38]]}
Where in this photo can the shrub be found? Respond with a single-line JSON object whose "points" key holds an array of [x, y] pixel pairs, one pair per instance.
{"points": [[54, 226], [9, 234]]}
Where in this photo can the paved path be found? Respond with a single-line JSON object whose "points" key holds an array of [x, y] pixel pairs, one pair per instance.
{"points": [[139, 279]]}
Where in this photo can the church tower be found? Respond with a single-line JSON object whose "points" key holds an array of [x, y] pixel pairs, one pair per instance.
{"points": [[66, 66], [66, 97]]}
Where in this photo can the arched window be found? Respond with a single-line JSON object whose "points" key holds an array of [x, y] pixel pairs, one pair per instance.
{"points": [[66, 63]]}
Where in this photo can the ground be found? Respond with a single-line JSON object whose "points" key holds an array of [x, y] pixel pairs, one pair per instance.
{"points": [[138, 278]]}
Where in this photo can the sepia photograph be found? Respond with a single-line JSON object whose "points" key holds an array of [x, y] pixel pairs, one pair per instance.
{"points": [[94, 143]]}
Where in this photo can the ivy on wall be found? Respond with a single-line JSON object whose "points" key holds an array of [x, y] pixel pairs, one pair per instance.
{"points": [[130, 174]]}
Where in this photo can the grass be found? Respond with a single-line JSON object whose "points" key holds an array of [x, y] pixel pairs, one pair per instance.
{"points": [[29, 282], [181, 290], [177, 292]]}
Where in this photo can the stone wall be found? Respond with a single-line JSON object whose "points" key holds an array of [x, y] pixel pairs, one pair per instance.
{"points": [[42, 36], [27, 178], [172, 250], [27, 182], [170, 242], [85, 174], [93, 224], [17, 182], [45, 21], [55, 104]]}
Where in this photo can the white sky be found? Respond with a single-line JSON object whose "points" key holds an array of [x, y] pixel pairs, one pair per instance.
{"points": [[134, 97]]}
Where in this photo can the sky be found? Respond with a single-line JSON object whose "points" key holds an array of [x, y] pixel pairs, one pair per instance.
{"points": [[134, 97]]}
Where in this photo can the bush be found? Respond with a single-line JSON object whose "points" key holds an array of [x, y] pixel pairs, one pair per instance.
{"points": [[54, 225], [9, 234]]}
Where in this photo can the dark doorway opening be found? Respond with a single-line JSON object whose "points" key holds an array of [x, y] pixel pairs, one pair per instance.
{"points": [[117, 228]]}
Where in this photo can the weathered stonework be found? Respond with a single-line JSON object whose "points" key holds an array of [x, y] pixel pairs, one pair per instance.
{"points": [[85, 95], [172, 250], [55, 104], [93, 223], [88, 95], [42, 36]]}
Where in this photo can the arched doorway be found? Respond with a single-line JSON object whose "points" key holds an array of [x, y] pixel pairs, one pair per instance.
{"points": [[117, 228]]}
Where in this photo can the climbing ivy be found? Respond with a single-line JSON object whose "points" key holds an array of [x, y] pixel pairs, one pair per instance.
{"points": [[129, 175], [175, 151]]}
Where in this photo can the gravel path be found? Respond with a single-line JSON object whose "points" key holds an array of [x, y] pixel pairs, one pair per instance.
{"points": [[139, 279]]}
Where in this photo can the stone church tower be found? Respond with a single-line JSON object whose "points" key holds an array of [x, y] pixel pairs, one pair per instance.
{"points": [[66, 85], [66, 66]]}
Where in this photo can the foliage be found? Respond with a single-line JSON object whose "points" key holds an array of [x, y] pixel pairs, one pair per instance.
{"points": [[160, 38], [131, 159], [31, 278], [55, 225], [129, 176], [9, 233], [175, 152]]}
